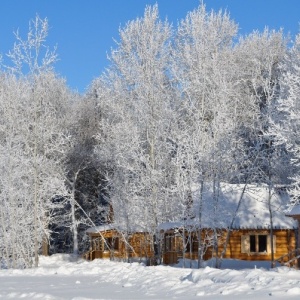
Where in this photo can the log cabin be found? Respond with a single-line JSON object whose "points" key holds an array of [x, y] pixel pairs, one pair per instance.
{"points": [[240, 216], [110, 242], [242, 212]]}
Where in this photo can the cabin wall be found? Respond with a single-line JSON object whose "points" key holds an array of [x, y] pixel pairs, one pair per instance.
{"points": [[119, 246], [139, 245], [284, 242]]}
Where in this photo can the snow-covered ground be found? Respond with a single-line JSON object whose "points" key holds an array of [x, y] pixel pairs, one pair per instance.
{"points": [[61, 277]]}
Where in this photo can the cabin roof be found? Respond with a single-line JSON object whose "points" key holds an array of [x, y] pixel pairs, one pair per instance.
{"points": [[295, 212], [101, 228], [253, 212], [113, 226]]}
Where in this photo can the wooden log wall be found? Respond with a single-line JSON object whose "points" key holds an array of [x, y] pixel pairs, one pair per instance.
{"points": [[284, 242], [136, 245]]}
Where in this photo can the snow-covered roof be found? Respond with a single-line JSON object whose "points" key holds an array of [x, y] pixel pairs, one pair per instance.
{"points": [[101, 228], [253, 212], [113, 226], [295, 212]]}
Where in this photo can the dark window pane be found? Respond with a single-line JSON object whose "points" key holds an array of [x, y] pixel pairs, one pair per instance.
{"points": [[116, 244], [107, 244], [168, 243], [262, 243], [195, 246], [111, 244], [187, 244], [252, 243]]}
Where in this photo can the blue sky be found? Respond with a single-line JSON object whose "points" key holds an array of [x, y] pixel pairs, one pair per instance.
{"points": [[84, 30]]}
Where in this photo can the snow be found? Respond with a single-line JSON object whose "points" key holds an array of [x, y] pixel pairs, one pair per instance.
{"points": [[114, 226], [101, 228], [253, 212], [295, 211], [61, 277]]}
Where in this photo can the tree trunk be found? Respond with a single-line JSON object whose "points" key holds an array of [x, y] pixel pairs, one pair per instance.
{"points": [[271, 227], [200, 249], [74, 223]]}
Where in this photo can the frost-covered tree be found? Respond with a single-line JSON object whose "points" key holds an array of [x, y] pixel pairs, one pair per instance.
{"points": [[140, 101], [208, 107], [33, 136], [86, 202], [262, 55], [16, 205], [285, 121], [259, 56]]}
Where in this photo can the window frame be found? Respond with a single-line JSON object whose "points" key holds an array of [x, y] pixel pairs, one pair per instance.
{"points": [[246, 247]]}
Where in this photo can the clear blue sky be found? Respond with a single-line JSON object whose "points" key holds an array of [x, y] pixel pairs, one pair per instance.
{"points": [[84, 29]]}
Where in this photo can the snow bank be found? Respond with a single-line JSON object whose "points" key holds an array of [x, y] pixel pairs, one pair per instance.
{"points": [[62, 277]]}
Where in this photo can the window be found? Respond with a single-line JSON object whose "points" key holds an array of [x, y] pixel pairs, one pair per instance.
{"points": [[96, 244], [111, 243], [262, 243], [257, 243], [188, 247], [252, 243], [173, 242], [169, 242]]}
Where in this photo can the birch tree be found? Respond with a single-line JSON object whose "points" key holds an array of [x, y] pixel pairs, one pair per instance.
{"points": [[203, 69], [263, 54], [140, 98], [37, 137], [84, 174], [284, 120], [15, 203]]}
